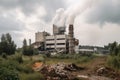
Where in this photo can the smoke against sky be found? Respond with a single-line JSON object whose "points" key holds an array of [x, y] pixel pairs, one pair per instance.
{"points": [[68, 16], [22, 18]]}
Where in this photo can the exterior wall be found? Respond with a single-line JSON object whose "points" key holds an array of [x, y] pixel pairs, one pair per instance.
{"points": [[39, 37], [57, 42]]}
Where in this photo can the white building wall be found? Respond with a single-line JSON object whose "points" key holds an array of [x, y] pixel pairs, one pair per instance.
{"points": [[56, 41], [61, 41], [48, 42]]}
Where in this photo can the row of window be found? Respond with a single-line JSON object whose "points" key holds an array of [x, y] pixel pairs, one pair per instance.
{"points": [[54, 39], [56, 44]]}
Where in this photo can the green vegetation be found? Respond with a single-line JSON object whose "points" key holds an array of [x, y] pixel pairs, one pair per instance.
{"points": [[7, 46], [28, 50], [17, 64], [31, 76], [17, 68], [12, 63], [69, 58], [114, 58]]}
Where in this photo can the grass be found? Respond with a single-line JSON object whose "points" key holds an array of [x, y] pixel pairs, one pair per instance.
{"points": [[31, 76], [26, 73], [69, 58]]}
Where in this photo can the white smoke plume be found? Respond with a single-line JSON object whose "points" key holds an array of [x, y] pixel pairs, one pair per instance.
{"points": [[59, 18], [68, 16]]}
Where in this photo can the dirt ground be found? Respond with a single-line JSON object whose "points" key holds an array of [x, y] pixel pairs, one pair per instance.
{"points": [[89, 71]]}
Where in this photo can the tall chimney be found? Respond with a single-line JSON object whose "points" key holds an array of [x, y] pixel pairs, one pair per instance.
{"points": [[71, 39], [30, 42]]}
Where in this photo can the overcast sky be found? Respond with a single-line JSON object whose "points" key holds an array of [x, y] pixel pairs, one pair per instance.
{"points": [[96, 22]]}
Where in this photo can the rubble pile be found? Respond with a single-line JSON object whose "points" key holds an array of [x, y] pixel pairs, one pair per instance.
{"points": [[37, 66], [108, 72], [59, 71]]}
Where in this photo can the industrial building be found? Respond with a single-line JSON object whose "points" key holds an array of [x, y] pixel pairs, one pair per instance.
{"points": [[59, 41], [40, 39], [56, 42], [85, 49]]}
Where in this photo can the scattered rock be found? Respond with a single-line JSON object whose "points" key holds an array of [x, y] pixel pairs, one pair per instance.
{"points": [[60, 71], [108, 72]]}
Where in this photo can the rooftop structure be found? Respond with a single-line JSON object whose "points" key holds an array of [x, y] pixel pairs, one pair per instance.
{"points": [[58, 30]]}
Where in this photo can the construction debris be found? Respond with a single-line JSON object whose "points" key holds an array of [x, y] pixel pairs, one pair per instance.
{"points": [[60, 71], [108, 72], [37, 66]]}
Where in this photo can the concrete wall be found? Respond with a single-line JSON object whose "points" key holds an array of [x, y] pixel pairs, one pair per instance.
{"points": [[56, 41], [39, 37]]}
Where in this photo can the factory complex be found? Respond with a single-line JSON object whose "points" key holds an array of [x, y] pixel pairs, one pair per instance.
{"points": [[58, 42]]}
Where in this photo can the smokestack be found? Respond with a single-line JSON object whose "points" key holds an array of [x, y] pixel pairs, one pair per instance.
{"points": [[30, 42], [71, 39], [55, 29]]}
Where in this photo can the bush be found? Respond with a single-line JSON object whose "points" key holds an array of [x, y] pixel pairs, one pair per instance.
{"points": [[114, 62], [8, 71], [71, 56], [18, 58], [25, 69], [35, 51], [4, 55], [8, 74]]}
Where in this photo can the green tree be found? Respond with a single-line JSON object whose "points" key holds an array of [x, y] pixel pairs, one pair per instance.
{"points": [[7, 45], [113, 47], [27, 50], [24, 47], [114, 59]]}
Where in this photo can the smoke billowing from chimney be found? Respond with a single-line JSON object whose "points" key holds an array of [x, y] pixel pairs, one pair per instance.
{"points": [[68, 16], [59, 18]]}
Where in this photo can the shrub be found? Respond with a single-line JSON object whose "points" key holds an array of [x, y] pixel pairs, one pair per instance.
{"points": [[25, 69], [4, 55], [8, 71], [18, 58], [8, 74], [35, 51], [114, 62]]}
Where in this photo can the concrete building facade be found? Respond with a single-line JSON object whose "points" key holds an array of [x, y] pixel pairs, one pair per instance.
{"points": [[40, 39], [59, 41], [40, 36], [56, 42]]}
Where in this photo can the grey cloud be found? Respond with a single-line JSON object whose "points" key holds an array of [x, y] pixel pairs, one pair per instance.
{"points": [[29, 6], [10, 24], [51, 7], [105, 11]]}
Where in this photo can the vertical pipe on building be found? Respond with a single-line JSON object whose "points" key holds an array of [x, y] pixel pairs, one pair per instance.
{"points": [[71, 39]]}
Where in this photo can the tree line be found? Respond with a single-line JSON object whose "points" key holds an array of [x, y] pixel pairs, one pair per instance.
{"points": [[8, 46], [114, 58]]}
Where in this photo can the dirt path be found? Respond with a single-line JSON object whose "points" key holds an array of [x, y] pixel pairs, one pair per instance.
{"points": [[93, 77]]}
